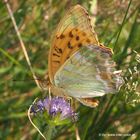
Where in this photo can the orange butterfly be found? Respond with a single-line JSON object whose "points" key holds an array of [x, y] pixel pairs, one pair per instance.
{"points": [[79, 66]]}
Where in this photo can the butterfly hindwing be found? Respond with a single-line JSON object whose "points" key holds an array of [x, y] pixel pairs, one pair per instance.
{"points": [[90, 102], [88, 73]]}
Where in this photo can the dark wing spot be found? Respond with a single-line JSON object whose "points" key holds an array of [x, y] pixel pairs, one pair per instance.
{"points": [[89, 18], [54, 54], [84, 34], [77, 37], [57, 37], [70, 34], [69, 45], [80, 45], [76, 29], [62, 36], [58, 50], [68, 57], [86, 13], [88, 41]]}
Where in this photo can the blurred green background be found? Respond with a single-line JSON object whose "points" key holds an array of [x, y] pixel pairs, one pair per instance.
{"points": [[117, 23]]}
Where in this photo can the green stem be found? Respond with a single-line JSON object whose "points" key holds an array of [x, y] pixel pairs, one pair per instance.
{"points": [[49, 132], [122, 25]]}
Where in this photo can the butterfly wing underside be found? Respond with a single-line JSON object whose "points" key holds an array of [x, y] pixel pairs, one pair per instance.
{"points": [[73, 32], [88, 73], [78, 65]]}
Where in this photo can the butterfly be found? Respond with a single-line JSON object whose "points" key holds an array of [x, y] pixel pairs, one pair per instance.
{"points": [[78, 65]]}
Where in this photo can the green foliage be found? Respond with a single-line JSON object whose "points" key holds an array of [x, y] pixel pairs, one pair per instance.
{"points": [[117, 26]]}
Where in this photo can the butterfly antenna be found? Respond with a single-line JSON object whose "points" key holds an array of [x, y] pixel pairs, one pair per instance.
{"points": [[21, 42], [29, 110]]}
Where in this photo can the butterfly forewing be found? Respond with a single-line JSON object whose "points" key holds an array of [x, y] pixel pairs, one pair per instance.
{"points": [[73, 32]]}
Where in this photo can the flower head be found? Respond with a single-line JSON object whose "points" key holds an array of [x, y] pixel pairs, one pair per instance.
{"points": [[56, 108]]}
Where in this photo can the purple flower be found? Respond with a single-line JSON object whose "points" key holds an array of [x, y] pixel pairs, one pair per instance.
{"points": [[38, 107], [54, 107]]}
